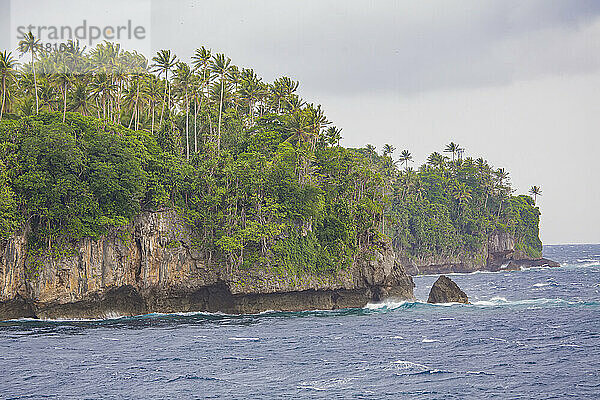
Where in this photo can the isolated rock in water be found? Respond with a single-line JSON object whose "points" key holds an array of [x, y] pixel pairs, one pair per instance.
{"points": [[444, 290]]}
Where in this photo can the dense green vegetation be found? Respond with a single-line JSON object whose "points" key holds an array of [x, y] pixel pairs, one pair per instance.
{"points": [[89, 139], [451, 204]]}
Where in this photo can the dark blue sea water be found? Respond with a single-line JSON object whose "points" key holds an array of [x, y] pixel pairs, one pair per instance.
{"points": [[533, 334]]}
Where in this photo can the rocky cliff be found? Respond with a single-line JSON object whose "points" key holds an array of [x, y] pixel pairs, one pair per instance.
{"points": [[498, 253], [154, 267]]}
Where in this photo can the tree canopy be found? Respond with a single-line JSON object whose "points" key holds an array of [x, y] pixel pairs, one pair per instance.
{"points": [[91, 138]]}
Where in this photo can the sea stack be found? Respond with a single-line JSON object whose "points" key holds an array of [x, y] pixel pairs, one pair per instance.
{"points": [[444, 290]]}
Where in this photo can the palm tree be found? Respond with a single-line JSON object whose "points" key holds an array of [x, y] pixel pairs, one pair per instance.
{"points": [[334, 135], [452, 148], [200, 60], [294, 102], [151, 91], [436, 160], [183, 79], [28, 45], [388, 149], [461, 193], [47, 93], [133, 98], [8, 74], [501, 176], [102, 90], [535, 191], [405, 157], [251, 91], [64, 78], [26, 106], [281, 90], [163, 63], [221, 66], [299, 127], [80, 99], [481, 165], [317, 122]]}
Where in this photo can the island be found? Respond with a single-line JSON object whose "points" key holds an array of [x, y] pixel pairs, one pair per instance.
{"points": [[130, 186]]}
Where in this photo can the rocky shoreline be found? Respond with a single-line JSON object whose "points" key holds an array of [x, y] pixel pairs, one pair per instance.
{"points": [[155, 268], [500, 253]]}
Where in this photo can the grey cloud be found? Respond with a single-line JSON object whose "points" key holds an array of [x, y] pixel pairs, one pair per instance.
{"points": [[404, 47]]}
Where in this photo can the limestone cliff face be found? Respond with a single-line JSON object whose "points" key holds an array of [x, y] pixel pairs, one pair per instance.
{"points": [[154, 267], [498, 253]]}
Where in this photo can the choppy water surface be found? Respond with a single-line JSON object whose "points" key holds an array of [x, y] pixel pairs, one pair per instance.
{"points": [[528, 334]]}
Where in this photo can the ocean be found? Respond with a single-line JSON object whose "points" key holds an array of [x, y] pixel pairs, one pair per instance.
{"points": [[531, 334]]}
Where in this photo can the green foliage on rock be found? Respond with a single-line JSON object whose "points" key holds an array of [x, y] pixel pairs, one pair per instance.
{"points": [[450, 207]]}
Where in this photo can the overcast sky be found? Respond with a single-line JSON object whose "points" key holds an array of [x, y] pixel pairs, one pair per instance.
{"points": [[517, 82]]}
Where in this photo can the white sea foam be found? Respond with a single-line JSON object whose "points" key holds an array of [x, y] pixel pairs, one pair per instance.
{"points": [[494, 301], [396, 337], [479, 373], [326, 384], [463, 273], [404, 367], [388, 304], [447, 304], [409, 366], [501, 301], [250, 339], [429, 340], [106, 317]]}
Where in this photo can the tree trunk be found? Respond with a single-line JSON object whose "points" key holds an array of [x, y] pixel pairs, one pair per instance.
{"points": [[164, 97], [187, 124], [220, 113], [152, 127], [64, 102], [137, 106], [37, 107], [195, 125]]}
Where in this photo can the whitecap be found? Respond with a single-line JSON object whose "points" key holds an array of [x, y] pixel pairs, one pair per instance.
{"points": [[479, 373], [250, 339], [403, 367], [326, 384], [541, 284], [396, 337], [446, 304], [429, 340], [385, 305], [494, 301]]}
